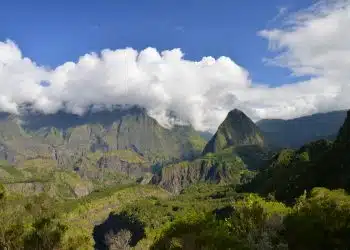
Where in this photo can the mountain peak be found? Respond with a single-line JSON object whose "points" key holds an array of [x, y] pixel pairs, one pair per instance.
{"points": [[237, 115], [236, 112], [237, 129]]}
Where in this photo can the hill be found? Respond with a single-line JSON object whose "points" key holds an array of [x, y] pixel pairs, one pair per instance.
{"points": [[317, 164], [296, 132], [236, 148], [236, 129]]}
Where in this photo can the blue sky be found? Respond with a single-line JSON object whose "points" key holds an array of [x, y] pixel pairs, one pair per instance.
{"points": [[53, 32], [224, 43]]}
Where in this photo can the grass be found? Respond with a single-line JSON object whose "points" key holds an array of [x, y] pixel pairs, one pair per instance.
{"points": [[198, 143], [125, 155], [14, 172]]}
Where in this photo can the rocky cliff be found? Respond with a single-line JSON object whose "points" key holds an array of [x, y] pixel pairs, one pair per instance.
{"points": [[212, 168]]}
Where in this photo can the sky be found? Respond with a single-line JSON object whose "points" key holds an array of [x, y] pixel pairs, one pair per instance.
{"points": [[199, 58]]}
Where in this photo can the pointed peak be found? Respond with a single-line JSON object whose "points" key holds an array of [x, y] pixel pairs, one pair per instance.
{"points": [[237, 117], [236, 130], [236, 111]]}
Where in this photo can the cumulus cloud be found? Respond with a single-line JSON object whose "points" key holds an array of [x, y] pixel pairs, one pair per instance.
{"points": [[313, 42], [198, 92], [316, 42]]}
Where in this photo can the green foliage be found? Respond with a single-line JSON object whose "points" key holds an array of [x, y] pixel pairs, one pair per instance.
{"points": [[317, 221], [125, 155], [248, 226], [35, 177], [42, 222], [3, 192], [320, 221], [46, 234], [290, 172], [43, 207], [196, 231], [197, 142], [285, 157]]}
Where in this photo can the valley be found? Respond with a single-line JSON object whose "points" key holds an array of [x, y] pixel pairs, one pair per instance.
{"points": [[119, 180]]}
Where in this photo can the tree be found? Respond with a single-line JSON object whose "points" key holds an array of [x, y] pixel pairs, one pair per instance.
{"points": [[320, 221], [2, 192], [47, 234], [119, 241]]}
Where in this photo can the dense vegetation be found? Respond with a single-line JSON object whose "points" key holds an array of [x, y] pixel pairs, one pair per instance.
{"points": [[317, 164], [237, 196]]}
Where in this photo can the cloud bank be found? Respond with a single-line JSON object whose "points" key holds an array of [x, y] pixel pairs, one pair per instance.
{"points": [[313, 42]]}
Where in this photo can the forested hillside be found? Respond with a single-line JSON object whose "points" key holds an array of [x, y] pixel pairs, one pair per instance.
{"points": [[238, 194]]}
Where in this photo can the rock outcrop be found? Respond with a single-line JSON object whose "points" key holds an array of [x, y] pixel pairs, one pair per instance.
{"points": [[176, 177]]}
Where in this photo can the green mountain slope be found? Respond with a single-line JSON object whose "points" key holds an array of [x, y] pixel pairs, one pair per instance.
{"points": [[212, 168], [69, 139], [212, 214], [235, 149], [297, 132], [318, 164], [236, 129]]}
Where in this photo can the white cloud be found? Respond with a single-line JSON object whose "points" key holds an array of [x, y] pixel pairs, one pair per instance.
{"points": [[314, 42], [157, 81]]}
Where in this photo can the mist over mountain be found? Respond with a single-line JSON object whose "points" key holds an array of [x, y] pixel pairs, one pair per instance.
{"points": [[33, 134], [189, 125], [200, 92]]}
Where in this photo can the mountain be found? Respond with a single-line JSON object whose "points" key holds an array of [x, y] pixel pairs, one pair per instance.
{"points": [[317, 164], [296, 132], [133, 129], [206, 135], [236, 148], [107, 147], [88, 208], [236, 130], [211, 168]]}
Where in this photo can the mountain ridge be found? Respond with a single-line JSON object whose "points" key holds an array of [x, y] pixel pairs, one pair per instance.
{"points": [[298, 131], [236, 129]]}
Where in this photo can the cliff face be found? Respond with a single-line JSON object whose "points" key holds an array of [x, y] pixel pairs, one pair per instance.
{"points": [[236, 130], [176, 177], [33, 135], [107, 146], [131, 169]]}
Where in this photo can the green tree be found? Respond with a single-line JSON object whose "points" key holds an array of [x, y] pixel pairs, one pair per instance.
{"points": [[321, 221], [47, 234]]}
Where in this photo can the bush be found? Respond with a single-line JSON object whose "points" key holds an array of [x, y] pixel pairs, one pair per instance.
{"points": [[320, 221], [47, 234], [119, 241], [251, 225]]}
